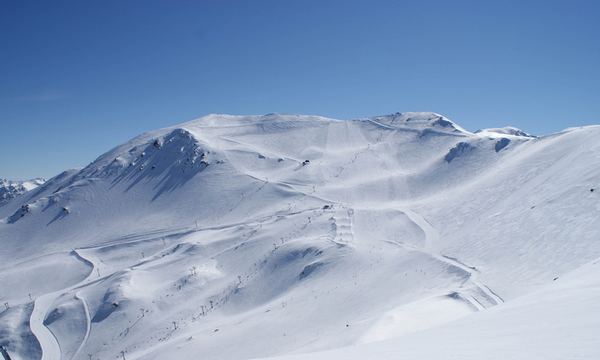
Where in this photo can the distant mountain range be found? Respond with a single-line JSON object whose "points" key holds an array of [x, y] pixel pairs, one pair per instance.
{"points": [[11, 189]]}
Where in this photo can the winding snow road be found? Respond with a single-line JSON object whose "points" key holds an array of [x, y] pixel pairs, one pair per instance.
{"points": [[473, 291], [48, 342]]}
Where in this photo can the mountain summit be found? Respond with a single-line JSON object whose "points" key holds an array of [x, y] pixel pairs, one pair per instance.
{"points": [[237, 237]]}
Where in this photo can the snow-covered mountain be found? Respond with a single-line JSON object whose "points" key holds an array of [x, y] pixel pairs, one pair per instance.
{"points": [[238, 237], [11, 189]]}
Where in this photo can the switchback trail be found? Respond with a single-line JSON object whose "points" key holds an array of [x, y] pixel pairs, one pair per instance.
{"points": [[477, 293], [49, 344]]}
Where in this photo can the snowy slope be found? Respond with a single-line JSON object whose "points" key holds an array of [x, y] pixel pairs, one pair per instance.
{"points": [[557, 321], [237, 237]]}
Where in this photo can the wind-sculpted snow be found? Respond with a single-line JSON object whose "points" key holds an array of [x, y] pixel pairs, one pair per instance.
{"points": [[236, 237]]}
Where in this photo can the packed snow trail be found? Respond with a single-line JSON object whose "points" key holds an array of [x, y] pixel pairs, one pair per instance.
{"points": [[47, 340], [4, 353], [342, 220], [88, 322], [431, 235], [375, 167], [49, 344], [472, 287]]}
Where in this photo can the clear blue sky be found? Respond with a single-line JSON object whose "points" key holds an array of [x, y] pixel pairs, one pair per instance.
{"points": [[80, 77]]}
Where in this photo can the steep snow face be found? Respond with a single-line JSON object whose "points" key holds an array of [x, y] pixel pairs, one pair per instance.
{"points": [[11, 189], [252, 236]]}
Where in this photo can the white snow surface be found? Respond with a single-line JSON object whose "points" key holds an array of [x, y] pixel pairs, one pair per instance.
{"points": [[508, 130], [303, 237]]}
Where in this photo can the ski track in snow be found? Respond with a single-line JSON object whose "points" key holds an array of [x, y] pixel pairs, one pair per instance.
{"points": [[48, 343], [342, 217], [472, 285], [321, 196], [88, 322], [50, 346]]}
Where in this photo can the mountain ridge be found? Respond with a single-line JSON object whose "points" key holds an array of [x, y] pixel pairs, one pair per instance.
{"points": [[322, 228]]}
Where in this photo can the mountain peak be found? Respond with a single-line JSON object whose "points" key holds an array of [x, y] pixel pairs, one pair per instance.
{"points": [[194, 237], [423, 121], [507, 130]]}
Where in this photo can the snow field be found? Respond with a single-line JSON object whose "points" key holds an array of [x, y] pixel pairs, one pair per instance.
{"points": [[217, 239]]}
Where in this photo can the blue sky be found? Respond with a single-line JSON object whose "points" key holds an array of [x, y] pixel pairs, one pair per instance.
{"points": [[80, 77]]}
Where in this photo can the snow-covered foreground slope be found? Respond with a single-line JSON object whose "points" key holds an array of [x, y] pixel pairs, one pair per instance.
{"points": [[557, 321], [234, 237]]}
